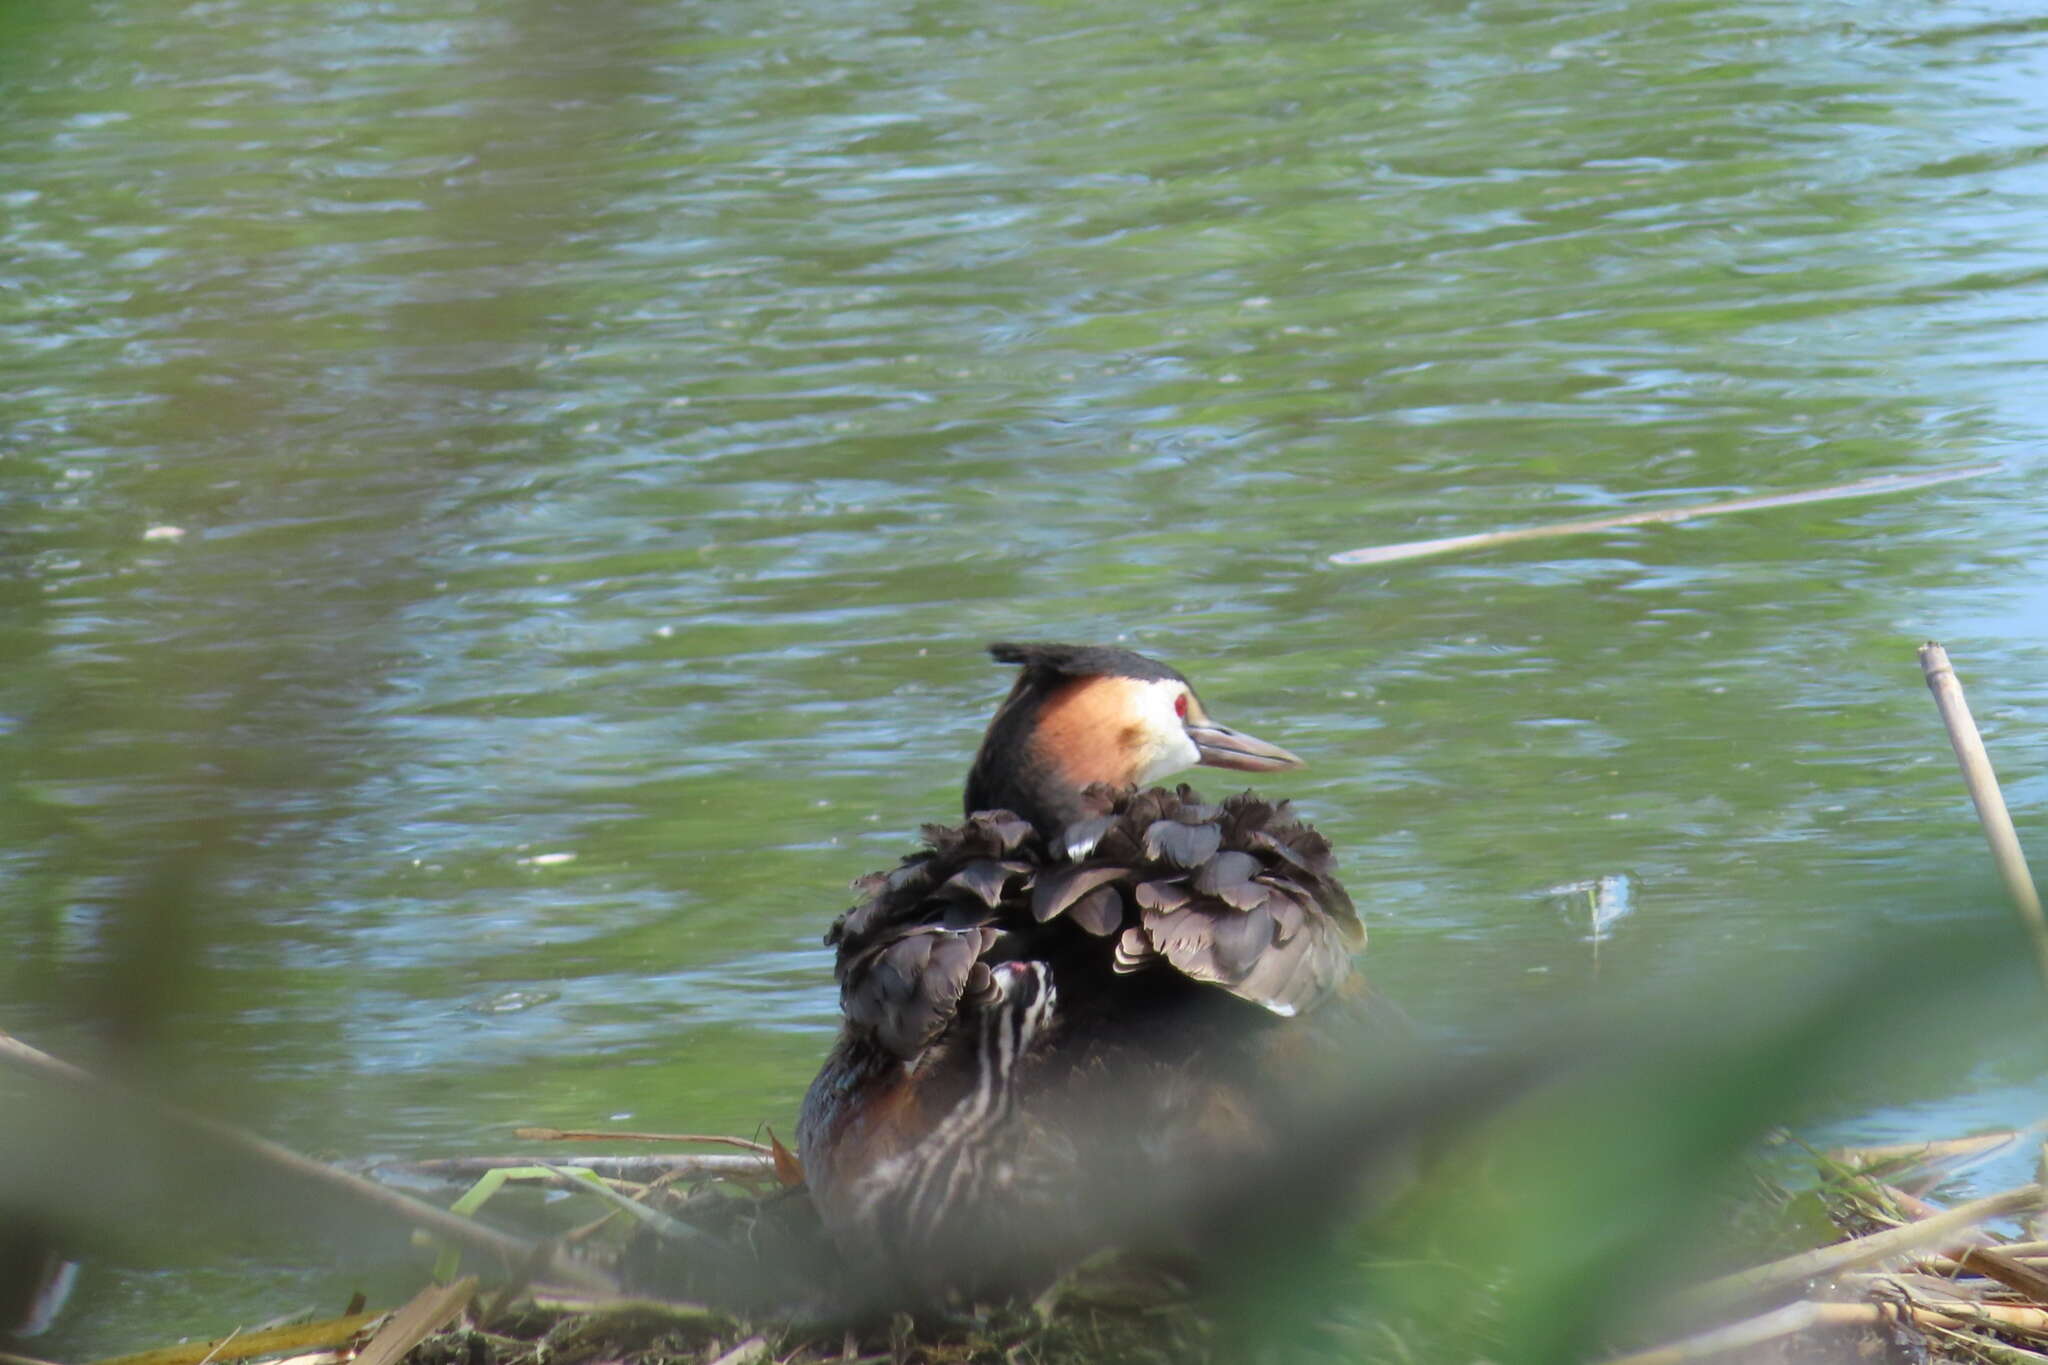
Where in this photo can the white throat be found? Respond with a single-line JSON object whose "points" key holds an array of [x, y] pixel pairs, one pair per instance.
{"points": [[1166, 748]]}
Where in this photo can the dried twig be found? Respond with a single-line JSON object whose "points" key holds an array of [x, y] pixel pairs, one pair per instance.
{"points": [[1984, 793], [1861, 488]]}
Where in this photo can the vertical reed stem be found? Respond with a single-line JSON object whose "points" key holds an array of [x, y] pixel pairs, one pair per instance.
{"points": [[1990, 802]]}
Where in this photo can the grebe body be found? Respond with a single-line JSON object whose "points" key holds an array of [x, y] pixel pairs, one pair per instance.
{"points": [[1088, 990]]}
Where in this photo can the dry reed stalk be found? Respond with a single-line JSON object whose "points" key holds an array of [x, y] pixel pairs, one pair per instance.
{"points": [[601, 1135], [1807, 1314], [1912, 1205], [752, 1351], [1923, 1153], [1984, 793], [353, 1189], [1993, 1264], [304, 1336], [429, 1311], [644, 1170], [1729, 1290], [1949, 1266], [1927, 1287]]}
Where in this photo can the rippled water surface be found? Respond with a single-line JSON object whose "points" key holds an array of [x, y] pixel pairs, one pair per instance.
{"points": [[612, 429]]}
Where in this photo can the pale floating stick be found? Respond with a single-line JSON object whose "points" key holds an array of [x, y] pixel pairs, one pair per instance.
{"points": [[1984, 793], [1861, 488]]}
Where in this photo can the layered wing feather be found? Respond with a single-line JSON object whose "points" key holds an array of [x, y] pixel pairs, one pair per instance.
{"points": [[1239, 894]]}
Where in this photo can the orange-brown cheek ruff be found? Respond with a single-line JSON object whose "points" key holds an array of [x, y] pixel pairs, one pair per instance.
{"points": [[1092, 730]]}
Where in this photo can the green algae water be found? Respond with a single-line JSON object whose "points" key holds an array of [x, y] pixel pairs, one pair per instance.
{"points": [[523, 487]]}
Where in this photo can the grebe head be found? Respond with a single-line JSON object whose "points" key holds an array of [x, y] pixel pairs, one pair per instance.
{"points": [[1083, 714]]}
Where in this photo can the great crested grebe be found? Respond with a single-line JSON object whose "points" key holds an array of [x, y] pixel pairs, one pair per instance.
{"points": [[1087, 991]]}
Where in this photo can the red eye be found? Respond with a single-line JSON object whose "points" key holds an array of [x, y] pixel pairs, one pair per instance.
{"points": [[1180, 706]]}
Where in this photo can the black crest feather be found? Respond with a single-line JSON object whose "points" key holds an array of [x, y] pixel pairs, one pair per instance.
{"points": [[1082, 661]]}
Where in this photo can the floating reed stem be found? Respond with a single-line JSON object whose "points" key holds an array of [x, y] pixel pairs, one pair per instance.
{"points": [[1984, 793]]}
